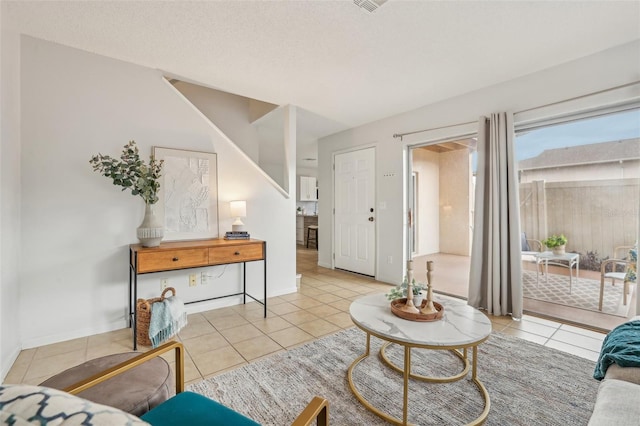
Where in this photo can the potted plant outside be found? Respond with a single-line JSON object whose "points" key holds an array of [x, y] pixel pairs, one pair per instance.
{"points": [[130, 172], [556, 243]]}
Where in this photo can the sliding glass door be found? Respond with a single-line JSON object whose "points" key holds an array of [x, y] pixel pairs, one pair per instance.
{"points": [[580, 179]]}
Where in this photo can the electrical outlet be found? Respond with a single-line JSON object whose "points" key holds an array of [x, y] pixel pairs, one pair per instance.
{"points": [[203, 278], [164, 283], [389, 259], [193, 280]]}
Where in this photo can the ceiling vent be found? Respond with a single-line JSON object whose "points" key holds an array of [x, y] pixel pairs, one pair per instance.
{"points": [[369, 5]]}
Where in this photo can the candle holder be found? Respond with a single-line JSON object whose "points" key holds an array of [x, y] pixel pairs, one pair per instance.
{"points": [[409, 307], [428, 307], [428, 311]]}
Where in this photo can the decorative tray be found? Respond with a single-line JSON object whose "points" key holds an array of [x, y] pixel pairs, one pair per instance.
{"points": [[396, 308]]}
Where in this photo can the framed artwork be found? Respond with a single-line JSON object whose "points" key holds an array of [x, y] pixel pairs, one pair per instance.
{"points": [[188, 197]]}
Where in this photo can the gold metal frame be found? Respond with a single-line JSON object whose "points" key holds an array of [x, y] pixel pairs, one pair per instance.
{"points": [[454, 378], [134, 362], [317, 409], [406, 372]]}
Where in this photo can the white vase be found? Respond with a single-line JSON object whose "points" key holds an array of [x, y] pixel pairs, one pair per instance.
{"points": [[417, 299], [151, 230], [558, 249]]}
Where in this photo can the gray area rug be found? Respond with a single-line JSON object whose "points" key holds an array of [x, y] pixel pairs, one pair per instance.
{"points": [[584, 293], [528, 384]]}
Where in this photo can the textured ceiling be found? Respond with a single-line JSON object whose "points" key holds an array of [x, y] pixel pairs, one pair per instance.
{"points": [[333, 58]]}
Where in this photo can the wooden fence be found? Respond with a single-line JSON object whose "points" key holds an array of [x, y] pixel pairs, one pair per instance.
{"points": [[595, 216]]}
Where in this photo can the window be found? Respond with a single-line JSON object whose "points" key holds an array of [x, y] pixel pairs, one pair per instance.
{"points": [[580, 178]]}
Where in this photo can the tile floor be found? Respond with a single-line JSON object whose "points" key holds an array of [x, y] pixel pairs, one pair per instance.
{"points": [[226, 338]]}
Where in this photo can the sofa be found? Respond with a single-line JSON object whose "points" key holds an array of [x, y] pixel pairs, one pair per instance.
{"points": [[618, 400]]}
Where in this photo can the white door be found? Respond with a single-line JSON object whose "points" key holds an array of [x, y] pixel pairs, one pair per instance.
{"points": [[354, 192]]}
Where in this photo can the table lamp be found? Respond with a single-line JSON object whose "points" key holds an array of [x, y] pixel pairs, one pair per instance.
{"points": [[238, 210]]}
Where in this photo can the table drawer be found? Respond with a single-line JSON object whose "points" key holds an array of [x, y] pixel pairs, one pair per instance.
{"points": [[239, 253], [171, 259]]}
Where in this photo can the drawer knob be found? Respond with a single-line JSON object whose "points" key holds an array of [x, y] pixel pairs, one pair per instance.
{"points": [[175, 259], [237, 253]]}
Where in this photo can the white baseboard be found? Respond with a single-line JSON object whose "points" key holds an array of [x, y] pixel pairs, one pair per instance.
{"points": [[124, 323], [83, 332], [8, 363]]}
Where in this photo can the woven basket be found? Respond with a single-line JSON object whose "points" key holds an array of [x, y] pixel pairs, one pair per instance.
{"points": [[143, 316]]}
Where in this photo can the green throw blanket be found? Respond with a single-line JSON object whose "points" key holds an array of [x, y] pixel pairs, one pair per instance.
{"points": [[621, 346], [167, 318]]}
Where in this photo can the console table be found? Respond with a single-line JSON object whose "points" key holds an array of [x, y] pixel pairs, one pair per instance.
{"points": [[175, 255]]}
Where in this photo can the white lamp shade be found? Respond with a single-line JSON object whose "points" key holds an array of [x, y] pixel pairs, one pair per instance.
{"points": [[238, 208]]}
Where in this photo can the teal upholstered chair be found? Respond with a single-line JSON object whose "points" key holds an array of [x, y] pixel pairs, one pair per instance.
{"points": [[23, 402]]}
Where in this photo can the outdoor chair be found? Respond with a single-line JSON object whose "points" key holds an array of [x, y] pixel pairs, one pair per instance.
{"points": [[624, 257], [42, 404], [530, 249]]}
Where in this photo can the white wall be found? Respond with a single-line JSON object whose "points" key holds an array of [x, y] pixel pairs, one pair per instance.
{"points": [[455, 218], [230, 113], [590, 74], [426, 164], [9, 200], [76, 226]]}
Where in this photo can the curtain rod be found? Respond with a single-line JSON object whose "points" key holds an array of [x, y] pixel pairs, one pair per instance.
{"points": [[622, 86], [400, 135]]}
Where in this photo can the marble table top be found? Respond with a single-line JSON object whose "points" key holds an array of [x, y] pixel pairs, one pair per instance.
{"points": [[461, 325]]}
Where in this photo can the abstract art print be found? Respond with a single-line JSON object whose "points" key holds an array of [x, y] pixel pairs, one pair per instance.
{"points": [[188, 199]]}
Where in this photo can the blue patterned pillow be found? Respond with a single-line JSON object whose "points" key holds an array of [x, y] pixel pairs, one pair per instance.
{"points": [[26, 404], [632, 269]]}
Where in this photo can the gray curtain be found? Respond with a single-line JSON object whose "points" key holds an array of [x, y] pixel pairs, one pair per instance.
{"points": [[495, 278]]}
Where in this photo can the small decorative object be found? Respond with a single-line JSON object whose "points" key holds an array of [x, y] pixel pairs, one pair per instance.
{"points": [[556, 243], [409, 307], [238, 210], [299, 210], [418, 298], [428, 309], [130, 172], [400, 291], [237, 235]]}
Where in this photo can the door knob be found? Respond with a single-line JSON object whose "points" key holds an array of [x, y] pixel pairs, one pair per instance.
{"points": [[371, 209], [371, 219]]}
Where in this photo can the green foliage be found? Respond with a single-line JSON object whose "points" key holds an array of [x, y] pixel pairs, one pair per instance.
{"points": [[131, 172], [555, 241], [400, 291]]}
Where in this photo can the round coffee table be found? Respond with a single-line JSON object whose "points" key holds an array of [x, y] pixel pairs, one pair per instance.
{"points": [[461, 328]]}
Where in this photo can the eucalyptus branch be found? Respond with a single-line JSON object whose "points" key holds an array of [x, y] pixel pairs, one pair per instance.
{"points": [[131, 173]]}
